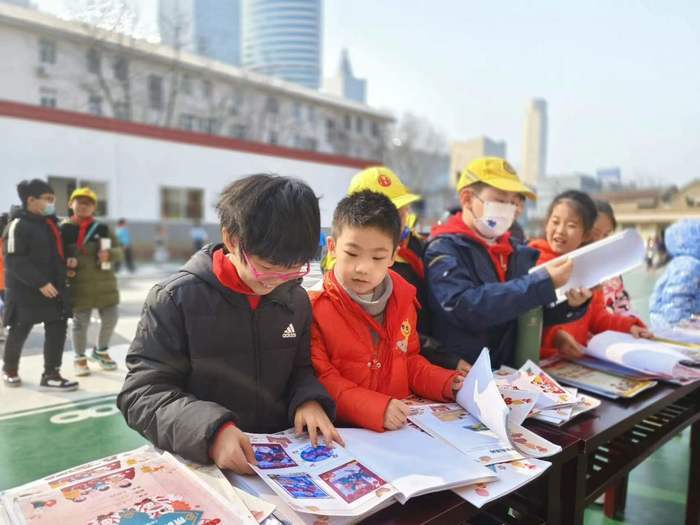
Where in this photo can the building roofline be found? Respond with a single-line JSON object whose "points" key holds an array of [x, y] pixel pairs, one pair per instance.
{"points": [[33, 19], [16, 110]]}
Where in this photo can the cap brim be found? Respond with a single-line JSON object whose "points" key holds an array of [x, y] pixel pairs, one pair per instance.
{"points": [[514, 186], [405, 200]]}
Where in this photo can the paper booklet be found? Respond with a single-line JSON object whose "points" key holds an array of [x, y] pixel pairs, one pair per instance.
{"points": [[643, 355], [137, 488], [481, 425], [371, 468], [599, 261], [596, 381]]}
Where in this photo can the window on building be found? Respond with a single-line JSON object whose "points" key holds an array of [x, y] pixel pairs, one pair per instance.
{"points": [[272, 105], [47, 51], [297, 110], [186, 84], [312, 115], [206, 88], [121, 69], [359, 124], [121, 111], [187, 122], [208, 125], [64, 186], [95, 105], [47, 97], [237, 131], [375, 129], [181, 203], [330, 129], [155, 92], [348, 122], [94, 61], [273, 138]]}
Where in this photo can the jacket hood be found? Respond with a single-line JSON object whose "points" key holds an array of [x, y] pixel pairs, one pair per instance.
{"points": [[454, 226], [200, 265], [683, 238]]}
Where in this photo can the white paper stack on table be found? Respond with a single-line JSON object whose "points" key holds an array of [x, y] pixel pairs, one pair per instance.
{"points": [[601, 260], [675, 364], [553, 403], [142, 486]]}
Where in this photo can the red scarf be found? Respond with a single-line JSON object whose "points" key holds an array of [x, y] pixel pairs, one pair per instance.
{"points": [[82, 231], [57, 235], [227, 275], [500, 251]]}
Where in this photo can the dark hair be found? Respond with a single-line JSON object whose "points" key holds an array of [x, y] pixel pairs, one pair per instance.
{"points": [[275, 218], [121, 222], [604, 207], [368, 209], [581, 202], [33, 188]]}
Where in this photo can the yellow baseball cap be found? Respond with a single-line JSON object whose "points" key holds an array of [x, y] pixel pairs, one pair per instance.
{"points": [[495, 172], [83, 192], [382, 180]]}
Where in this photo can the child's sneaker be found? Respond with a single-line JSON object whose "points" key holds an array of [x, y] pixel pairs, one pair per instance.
{"points": [[102, 357], [54, 381], [11, 379], [80, 366]]}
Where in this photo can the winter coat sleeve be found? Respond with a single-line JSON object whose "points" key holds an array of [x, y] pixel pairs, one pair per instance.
{"points": [[434, 352], [678, 291], [154, 399], [467, 302], [356, 405], [303, 384], [18, 255], [424, 378], [563, 313]]}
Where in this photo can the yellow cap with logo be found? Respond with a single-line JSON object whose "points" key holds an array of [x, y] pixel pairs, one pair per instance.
{"points": [[83, 192], [495, 172], [382, 180]]}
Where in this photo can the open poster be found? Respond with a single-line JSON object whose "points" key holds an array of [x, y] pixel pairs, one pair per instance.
{"points": [[126, 490], [601, 260]]}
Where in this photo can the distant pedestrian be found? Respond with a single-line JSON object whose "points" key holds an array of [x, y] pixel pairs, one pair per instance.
{"points": [[199, 236], [35, 272], [91, 250], [160, 252], [124, 238]]}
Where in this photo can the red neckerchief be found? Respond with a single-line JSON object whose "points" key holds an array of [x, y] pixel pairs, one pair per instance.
{"points": [[57, 235], [546, 252], [83, 228], [227, 275], [411, 258], [499, 251]]}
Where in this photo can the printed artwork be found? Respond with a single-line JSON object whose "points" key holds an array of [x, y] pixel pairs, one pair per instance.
{"points": [[352, 481], [269, 456], [317, 454], [299, 486], [544, 382]]}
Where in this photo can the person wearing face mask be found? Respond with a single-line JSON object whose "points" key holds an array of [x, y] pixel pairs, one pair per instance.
{"points": [[477, 275], [35, 284]]}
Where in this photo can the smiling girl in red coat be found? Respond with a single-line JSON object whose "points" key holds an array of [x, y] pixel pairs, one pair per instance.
{"points": [[569, 225], [364, 344]]}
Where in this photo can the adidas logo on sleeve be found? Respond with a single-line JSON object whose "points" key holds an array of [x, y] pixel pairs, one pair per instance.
{"points": [[289, 332]]}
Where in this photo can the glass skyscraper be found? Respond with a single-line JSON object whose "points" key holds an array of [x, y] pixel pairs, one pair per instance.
{"points": [[282, 38]]}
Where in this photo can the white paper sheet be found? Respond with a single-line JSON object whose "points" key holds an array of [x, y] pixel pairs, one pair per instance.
{"points": [[599, 261], [414, 462]]}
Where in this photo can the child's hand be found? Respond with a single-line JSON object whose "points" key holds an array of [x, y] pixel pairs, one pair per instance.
{"points": [[640, 331], [560, 271], [312, 416], [232, 450], [567, 345], [457, 383], [463, 366], [396, 414], [577, 296], [49, 291]]}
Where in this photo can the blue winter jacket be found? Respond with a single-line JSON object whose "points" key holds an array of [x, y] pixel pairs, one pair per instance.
{"points": [[472, 309], [676, 296]]}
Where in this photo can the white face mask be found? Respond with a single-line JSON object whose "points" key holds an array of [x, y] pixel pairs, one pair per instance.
{"points": [[496, 219]]}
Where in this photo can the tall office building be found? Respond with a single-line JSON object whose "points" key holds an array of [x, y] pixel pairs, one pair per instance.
{"points": [[210, 28], [283, 39], [345, 84], [534, 161], [462, 153]]}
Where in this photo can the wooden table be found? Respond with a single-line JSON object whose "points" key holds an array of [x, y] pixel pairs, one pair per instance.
{"points": [[618, 436]]}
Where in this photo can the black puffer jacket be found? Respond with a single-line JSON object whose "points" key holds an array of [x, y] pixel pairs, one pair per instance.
{"points": [[32, 260], [202, 357]]}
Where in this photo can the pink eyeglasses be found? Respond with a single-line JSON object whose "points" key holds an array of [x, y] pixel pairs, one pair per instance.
{"points": [[272, 276]]}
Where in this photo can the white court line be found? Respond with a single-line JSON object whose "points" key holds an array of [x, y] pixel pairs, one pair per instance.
{"points": [[61, 406]]}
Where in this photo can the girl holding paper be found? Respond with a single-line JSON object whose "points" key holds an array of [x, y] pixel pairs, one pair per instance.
{"points": [[569, 225], [91, 250]]}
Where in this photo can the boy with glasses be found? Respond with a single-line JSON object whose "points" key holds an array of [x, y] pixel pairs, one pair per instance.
{"points": [[222, 347]]}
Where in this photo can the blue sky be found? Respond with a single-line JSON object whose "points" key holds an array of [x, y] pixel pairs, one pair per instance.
{"points": [[621, 78]]}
